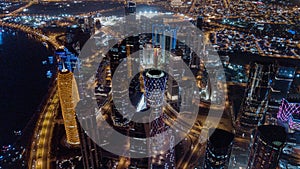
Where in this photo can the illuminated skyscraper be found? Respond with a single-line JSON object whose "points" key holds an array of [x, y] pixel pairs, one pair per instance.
{"points": [[175, 70], [255, 103], [218, 149], [280, 87], [164, 37], [268, 143], [155, 84], [91, 152], [130, 14], [68, 94], [66, 89]]}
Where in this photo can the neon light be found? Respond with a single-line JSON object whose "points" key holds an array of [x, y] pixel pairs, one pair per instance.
{"points": [[287, 109], [294, 122]]}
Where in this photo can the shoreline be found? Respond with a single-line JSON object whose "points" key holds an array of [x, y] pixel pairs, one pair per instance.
{"points": [[14, 139]]}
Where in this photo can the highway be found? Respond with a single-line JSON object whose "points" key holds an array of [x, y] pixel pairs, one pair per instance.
{"points": [[15, 12], [41, 142], [36, 32], [20, 9]]}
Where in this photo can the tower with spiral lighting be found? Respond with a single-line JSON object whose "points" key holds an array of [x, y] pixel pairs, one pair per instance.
{"points": [[68, 95]]}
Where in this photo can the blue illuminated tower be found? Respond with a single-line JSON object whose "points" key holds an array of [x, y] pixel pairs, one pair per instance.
{"points": [[155, 85]]}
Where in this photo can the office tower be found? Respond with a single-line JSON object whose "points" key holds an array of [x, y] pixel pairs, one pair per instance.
{"points": [[98, 24], [147, 58], [86, 23], [67, 93], [120, 113], [155, 84], [115, 55], [130, 14], [267, 145], [218, 149], [216, 85], [175, 75], [121, 53], [164, 38], [91, 152], [132, 46], [255, 102], [280, 87]]}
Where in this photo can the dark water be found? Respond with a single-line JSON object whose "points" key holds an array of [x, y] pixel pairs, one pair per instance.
{"points": [[23, 82]]}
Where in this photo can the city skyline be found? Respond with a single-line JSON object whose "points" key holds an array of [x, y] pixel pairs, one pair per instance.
{"points": [[153, 84]]}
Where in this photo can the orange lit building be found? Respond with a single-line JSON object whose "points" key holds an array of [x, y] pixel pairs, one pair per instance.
{"points": [[67, 90]]}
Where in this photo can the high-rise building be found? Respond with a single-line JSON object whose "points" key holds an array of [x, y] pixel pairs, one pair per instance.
{"points": [[67, 93], [155, 85], [67, 60], [130, 14], [115, 55], [91, 152], [218, 149], [280, 87], [164, 37], [255, 102], [175, 75], [267, 145]]}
